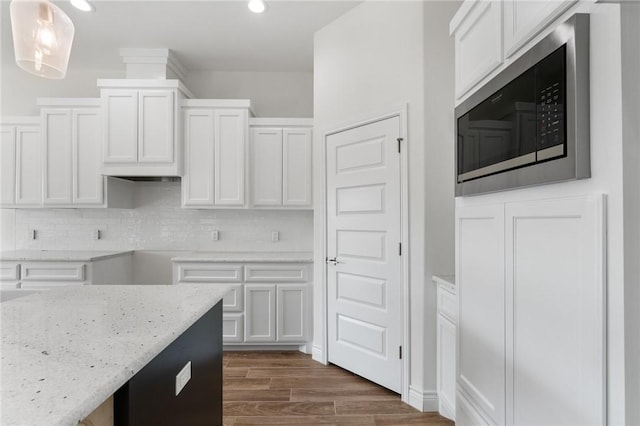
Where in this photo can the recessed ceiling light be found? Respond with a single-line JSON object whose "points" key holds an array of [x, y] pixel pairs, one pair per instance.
{"points": [[257, 6], [83, 5]]}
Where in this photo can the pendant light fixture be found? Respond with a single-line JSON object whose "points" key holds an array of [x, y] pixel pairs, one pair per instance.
{"points": [[42, 37]]}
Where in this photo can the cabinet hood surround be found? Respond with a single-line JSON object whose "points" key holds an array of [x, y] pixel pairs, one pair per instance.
{"points": [[142, 117]]}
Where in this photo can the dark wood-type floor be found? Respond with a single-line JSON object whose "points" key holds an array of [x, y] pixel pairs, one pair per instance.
{"points": [[289, 388]]}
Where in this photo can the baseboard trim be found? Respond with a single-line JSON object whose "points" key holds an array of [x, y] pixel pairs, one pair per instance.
{"points": [[317, 354], [425, 401]]}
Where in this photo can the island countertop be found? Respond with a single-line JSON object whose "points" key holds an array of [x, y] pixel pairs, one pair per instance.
{"points": [[65, 351]]}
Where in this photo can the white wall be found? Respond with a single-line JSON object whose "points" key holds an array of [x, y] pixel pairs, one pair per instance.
{"points": [[606, 177], [438, 163], [630, 13], [20, 89], [365, 62], [272, 94]]}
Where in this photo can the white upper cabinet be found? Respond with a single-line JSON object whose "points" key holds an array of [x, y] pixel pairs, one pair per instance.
{"points": [[296, 172], [215, 135], [524, 19], [142, 127], [21, 162], [88, 183], [280, 163], [266, 167], [58, 169], [477, 30], [230, 138], [7, 165], [71, 138], [197, 182], [489, 33]]}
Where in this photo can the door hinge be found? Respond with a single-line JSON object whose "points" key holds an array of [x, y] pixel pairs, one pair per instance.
{"points": [[399, 143], [399, 249], [400, 352]]}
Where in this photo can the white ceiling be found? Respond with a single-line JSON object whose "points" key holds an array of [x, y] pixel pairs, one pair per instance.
{"points": [[205, 35]]}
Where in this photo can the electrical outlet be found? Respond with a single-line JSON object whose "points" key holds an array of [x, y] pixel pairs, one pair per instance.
{"points": [[275, 236], [215, 235], [183, 377]]}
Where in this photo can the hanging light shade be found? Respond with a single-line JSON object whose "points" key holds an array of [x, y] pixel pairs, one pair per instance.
{"points": [[42, 37]]}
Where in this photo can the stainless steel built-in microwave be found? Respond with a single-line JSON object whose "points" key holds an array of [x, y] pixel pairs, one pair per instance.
{"points": [[529, 125]]}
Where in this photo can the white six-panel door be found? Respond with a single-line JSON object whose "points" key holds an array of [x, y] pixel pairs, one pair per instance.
{"points": [[363, 235]]}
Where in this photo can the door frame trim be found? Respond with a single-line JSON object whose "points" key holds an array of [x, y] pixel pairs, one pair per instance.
{"points": [[320, 353]]}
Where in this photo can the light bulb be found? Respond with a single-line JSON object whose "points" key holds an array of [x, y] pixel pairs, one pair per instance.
{"points": [[257, 6], [83, 5], [45, 37]]}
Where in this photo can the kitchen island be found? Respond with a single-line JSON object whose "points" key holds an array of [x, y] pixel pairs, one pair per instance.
{"points": [[67, 350]]}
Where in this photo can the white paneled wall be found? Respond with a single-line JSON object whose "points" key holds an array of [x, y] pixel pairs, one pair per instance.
{"points": [[159, 223]]}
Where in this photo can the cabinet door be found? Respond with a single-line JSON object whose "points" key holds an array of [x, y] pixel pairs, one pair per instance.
{"points": [[156, 109], [297, 167], [58, 165], [120, 139], [266, 167], [28, 166], [7, 166], [260, 312], [478, 44], [232, 328], [446, 337], [197, 182], [230, 138], [88, 183], [556, 312], [481, 314], [293, 313], [524, 19]]}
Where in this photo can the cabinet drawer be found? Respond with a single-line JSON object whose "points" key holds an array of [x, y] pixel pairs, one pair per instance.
{"points": [[447, 305], [203, 273], [53, 272], [233, 301], [9, 271], [276, 273], [232, 328]]}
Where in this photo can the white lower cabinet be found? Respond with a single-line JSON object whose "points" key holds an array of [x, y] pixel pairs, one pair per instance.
{"points": [[531, 330], [268, 302], [45, 275], [446, 344], [260, 324]]}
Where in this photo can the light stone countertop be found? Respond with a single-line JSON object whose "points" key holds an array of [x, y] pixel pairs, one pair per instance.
{"points": [[231, 256], [59, 255], [65, 351]]}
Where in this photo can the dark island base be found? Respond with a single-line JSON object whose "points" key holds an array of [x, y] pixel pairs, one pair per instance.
{"points": [[149, 398]]}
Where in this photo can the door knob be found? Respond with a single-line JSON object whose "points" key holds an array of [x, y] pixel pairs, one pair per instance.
{"points": [[333, 261]]}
